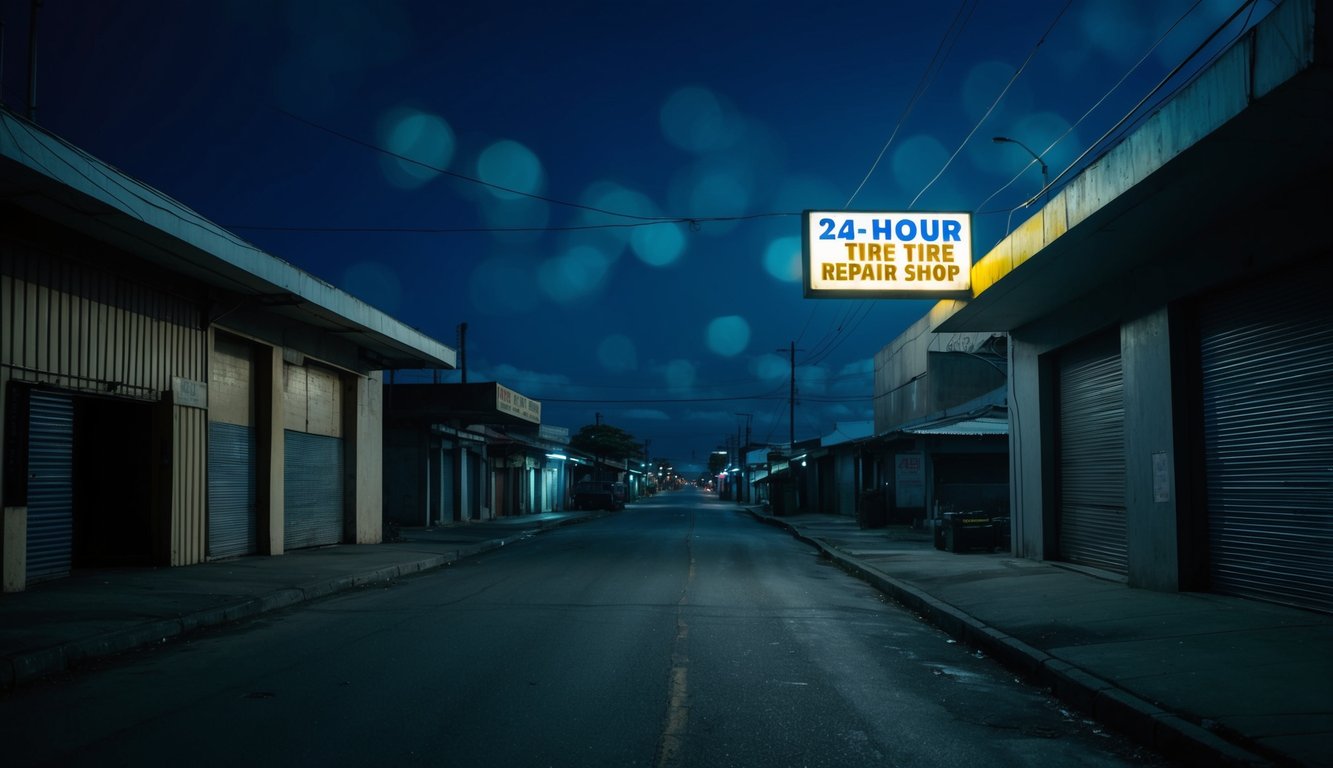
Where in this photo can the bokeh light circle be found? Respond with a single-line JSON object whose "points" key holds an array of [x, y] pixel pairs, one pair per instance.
{"points": [[696, 119], [728, 335], [421, 144], [679, 374], [782, 259], [658, 245], [573, 275], [509, 165]]}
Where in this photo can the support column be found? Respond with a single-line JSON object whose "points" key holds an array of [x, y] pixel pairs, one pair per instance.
{"points": [[365, 436], [269, 446]]}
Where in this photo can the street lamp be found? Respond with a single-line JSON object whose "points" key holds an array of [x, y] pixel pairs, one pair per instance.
{"points": [[1006, 140]]}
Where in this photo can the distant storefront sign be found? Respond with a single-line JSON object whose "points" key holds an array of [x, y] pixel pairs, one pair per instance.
{"points": [[510, 402], [861, 254], [909, 480]]}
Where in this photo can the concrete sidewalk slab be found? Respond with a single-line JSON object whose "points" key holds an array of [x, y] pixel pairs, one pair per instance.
{"points": [[1208, 679], [58, 625]]}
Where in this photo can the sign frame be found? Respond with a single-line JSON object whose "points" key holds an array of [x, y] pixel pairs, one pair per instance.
{"points": [[963, 259]]}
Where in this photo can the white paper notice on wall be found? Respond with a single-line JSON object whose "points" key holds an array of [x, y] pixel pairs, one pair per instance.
{"points": [[1161, 477], [189, 393]]}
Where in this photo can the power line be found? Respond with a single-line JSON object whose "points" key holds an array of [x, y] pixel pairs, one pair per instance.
{"points": [[994, 104], [927, 77]]}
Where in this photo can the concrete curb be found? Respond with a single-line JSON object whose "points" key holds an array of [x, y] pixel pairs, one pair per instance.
{"points": [[1141, 720], [29, 666]]}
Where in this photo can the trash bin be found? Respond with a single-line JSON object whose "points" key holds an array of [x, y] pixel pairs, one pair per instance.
{"points": [[968, 532]]}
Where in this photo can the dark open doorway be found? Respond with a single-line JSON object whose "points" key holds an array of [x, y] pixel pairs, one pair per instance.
{"points": [[113, 483]]}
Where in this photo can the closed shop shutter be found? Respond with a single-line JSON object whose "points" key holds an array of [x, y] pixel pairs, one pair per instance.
{"points": [[232, 530], [1091, 528], [313, 494], [1267, 379], [50, 485]]}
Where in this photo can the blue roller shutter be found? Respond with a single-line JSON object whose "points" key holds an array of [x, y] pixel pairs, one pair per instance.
{"points": [[50, 485], [232, 529], [313, 495]]}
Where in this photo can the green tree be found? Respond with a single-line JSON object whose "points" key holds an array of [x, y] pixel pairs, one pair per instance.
{"points": [[606, 441]]}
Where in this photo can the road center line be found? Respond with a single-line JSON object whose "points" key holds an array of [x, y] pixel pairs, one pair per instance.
{"points": [[678, 709]]}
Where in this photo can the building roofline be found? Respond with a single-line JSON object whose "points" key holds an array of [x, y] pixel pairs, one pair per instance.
{"points": [[48, 176]]}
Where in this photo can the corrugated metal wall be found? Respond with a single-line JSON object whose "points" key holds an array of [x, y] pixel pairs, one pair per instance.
{"points": [[189, 495], [78, 326]]}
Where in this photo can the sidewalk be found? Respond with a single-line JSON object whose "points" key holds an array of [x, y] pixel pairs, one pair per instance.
{"points": [[1208, 679], [59, 624]]}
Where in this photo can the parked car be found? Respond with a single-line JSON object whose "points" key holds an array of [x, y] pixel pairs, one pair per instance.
{"points": [[598, 494]]}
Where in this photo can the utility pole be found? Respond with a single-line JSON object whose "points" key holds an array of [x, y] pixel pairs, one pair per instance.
{"points": [[32, 60], [791, 401], [743, 464]]}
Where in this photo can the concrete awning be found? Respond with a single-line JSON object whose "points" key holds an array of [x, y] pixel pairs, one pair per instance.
{"points": [[1145, 217], [43, 174], [479, 403]]}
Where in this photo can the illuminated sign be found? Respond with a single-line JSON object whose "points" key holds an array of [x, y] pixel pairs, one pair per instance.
{"points": [[510, 402], [869, 255]]}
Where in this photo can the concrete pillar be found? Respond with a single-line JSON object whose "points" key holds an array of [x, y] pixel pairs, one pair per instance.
{"points": [[1150, 496], [1026, 451], [366, 440], [270, 444]]}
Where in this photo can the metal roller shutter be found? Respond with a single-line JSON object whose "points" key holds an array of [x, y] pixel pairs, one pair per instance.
{"points": [[232, 529], [313, 495], [1091, 527], [1267, 376], [50, 485]]}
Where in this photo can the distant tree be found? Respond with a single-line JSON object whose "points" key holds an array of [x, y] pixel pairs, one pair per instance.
{"points": [[606, 441]]}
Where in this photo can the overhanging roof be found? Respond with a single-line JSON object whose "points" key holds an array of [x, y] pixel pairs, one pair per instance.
{"points": [[994, 424], [1255, 122], [44, 174], [476, 403], [848, 432], [982, 416]]}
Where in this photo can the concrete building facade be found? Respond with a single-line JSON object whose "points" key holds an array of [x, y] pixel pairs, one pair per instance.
{"points": [[1171, 348]]}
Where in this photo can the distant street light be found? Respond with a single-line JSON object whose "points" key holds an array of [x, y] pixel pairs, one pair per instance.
{"points": [[1045, 182]]}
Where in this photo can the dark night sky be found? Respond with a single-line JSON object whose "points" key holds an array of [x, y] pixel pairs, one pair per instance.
{"points": [[291, 122]]}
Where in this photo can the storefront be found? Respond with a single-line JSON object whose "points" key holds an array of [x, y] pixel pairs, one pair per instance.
{"points": [[1170, 383], [170, 394]]}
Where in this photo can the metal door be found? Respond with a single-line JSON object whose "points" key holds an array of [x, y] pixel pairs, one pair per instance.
{"points": [[50, 485], [1091, 527], [232, 529], [1267, 380], [313, 490]]}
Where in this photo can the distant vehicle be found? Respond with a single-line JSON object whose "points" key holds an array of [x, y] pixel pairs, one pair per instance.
{"points": [[599, 494]]}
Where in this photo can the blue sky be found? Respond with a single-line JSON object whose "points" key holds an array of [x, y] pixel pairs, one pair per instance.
{"points": [[499, 163]]}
